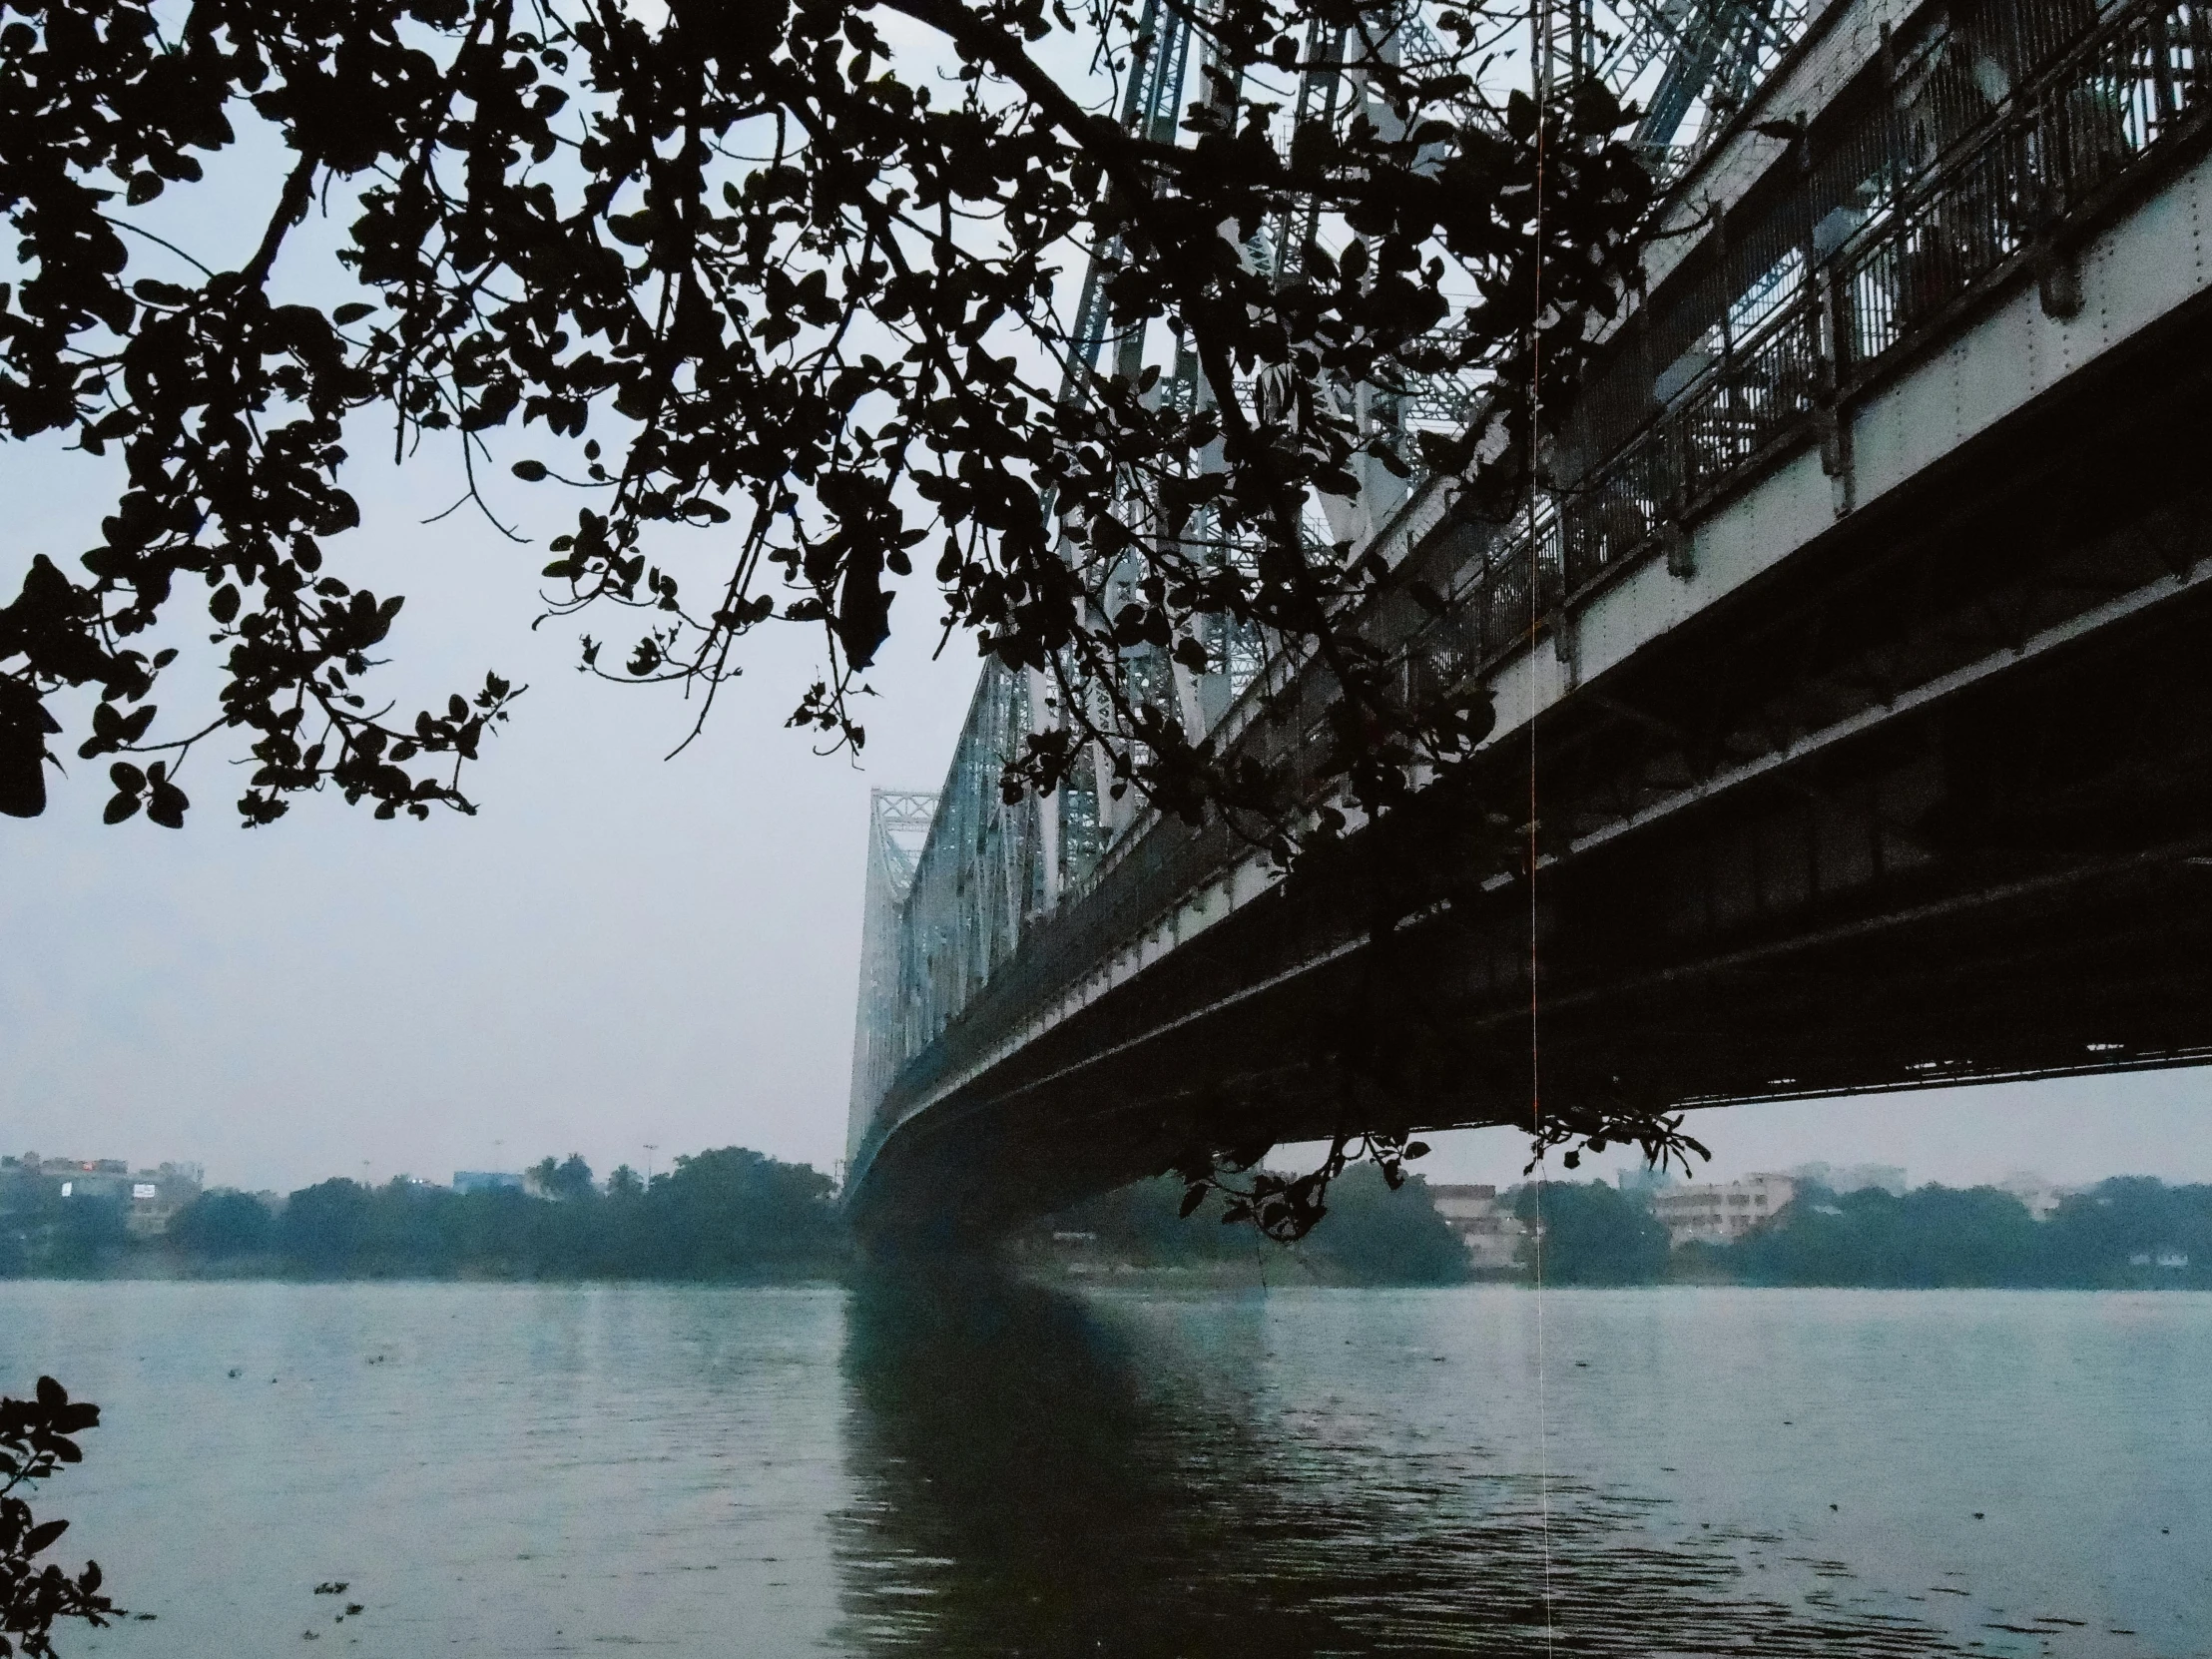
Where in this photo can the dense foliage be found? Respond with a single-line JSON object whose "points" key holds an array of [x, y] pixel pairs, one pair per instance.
{"points": [[1379, 1232], [796, 274], [42, 1232], [1592, 1234], [728, 1214], [733, 1214], [221, 1225], [2129, 1232], [1375, 1234], [37, 1436], [2121, 1233]]}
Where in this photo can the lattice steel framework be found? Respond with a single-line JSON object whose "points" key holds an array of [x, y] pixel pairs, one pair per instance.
{"points": [[942, 917], [1690, 64], [898, 826]]}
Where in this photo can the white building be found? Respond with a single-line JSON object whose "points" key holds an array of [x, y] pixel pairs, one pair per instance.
{"points": [[1720, 1212], [1484, 1221], [157, 1194], [150, 1197], [2040, 1196]]}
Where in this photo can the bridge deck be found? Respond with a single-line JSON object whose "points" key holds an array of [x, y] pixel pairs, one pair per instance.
{"points": [[1870, 759]]}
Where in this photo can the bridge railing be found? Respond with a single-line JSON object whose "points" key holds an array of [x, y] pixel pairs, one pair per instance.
{"points": [[2015, 192], [981, 875]]}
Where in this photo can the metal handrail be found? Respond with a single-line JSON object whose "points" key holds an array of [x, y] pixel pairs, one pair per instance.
{"points": [[2096, 116]]}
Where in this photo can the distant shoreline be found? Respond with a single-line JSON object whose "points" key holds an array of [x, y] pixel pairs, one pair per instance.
{"points": [[1207, 1277], [148, 1273]]}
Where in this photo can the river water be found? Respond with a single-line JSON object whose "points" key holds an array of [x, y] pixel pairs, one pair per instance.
{"points": [[987, 1469]]}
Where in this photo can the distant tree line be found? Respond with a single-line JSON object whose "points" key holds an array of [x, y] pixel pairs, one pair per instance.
{"points": [[2129, 1232], [1591, 1235], [41, 1232], [730, 1214], [736, 1214], [1369, 1235]]}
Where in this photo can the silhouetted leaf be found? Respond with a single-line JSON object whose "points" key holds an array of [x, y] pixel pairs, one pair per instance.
{"points": [[165, 805]]}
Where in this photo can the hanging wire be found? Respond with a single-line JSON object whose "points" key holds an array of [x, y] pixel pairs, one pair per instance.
{"points": [[1540, 30]]}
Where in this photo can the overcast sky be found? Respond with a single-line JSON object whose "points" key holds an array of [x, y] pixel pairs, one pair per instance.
{"points": [[621, 953]]}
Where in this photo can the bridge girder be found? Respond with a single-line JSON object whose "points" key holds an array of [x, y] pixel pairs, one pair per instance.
{"points": [[1637, 761]]}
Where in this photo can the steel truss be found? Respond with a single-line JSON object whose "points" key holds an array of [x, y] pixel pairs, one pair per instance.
{"points": [[940, 920]]}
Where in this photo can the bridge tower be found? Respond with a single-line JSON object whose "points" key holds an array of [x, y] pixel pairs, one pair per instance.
{"points": [[898, 823]]}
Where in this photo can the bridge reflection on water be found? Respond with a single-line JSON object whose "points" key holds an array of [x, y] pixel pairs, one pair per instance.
{"points": [[962, 1469], [1151, 1475]]}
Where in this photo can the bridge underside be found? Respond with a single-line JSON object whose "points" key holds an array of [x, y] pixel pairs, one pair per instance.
{"points": [[1931, 801]]}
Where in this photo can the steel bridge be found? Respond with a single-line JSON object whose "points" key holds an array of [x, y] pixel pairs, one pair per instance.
{"points": [[1859, 675]]}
